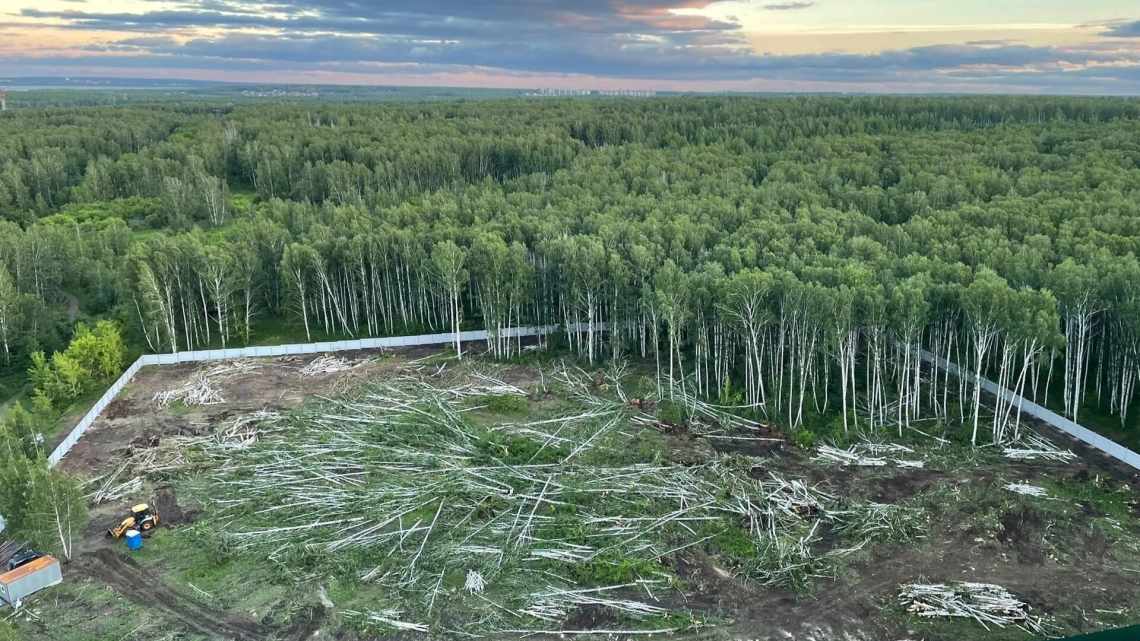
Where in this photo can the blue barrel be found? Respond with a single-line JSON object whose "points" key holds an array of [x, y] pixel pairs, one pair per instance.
{"points": [[134, 540]]}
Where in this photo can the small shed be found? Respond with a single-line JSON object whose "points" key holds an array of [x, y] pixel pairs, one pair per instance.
{"points": [[18, 584]]}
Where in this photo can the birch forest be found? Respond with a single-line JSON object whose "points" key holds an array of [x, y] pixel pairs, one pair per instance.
{"points": [[805, 256]]}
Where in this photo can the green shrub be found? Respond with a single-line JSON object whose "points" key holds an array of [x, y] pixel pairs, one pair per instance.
{"points": [[8, 633], [94, 357], [729, 395], [804, 439], [613, 570], [504, 403], [672, 413]]}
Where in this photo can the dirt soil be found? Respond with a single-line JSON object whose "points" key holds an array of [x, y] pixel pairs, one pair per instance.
{"points": [[134, 420]]}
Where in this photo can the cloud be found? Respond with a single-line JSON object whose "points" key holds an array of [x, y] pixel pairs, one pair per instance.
{"points": [[1124, 30], [788, 6], [635, 60], [500, 17], [645, 40]]}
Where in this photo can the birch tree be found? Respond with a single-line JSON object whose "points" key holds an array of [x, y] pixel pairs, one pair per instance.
{"points": [[297, 263], [748, 293], [984, 302], [1076, 288], [9, 313], [671, 288], [447, 261]]}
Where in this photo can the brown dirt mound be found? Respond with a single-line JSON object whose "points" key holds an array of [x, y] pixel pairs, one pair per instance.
{"points": [[686, 450], [1023, 530], [168, 509]]}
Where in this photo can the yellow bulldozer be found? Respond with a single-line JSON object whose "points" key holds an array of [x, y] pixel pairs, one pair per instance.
{"points": [[143, 518]]}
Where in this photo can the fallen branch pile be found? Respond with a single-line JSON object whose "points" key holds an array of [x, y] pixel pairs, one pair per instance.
{"points": [[985, 603], [113, 486], [330, 364], [1035, 448], [1027, 489], [868, 455], [883, 521], [201, 388]]}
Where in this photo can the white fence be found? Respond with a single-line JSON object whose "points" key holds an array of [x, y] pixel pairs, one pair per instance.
{"points": [[1110, 448], [88, 419]]}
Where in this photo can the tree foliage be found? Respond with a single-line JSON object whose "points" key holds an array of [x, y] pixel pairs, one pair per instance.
{"points": [[803, 250]]}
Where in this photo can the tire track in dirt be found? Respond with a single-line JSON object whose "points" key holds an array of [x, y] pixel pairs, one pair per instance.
{"points": [[133, 582]]}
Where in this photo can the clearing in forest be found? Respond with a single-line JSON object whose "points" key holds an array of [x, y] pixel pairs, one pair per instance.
{"points": [[410, 495]]}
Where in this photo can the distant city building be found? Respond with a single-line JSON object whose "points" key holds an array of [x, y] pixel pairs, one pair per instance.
{"points": [[281, 93], [563, 93]]}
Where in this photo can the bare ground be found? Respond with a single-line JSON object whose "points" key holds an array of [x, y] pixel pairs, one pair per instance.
{"points": [[135, 420]]}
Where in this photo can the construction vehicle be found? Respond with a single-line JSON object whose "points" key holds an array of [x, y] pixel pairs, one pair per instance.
{"points": [[142, 518]]}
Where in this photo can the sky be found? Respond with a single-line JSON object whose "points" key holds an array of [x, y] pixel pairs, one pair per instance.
{"points": [[887, 46]]}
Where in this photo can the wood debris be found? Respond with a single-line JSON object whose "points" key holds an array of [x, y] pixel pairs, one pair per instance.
{"points": [[986, 603], [475, 583], [389, 618], [202, 388], [1035, 448], [114, 486], [867, 455], [199, 390], [330, 364], [1027, 489]]}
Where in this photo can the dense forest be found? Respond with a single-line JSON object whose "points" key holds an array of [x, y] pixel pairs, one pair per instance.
{"points": [[796, 254]]}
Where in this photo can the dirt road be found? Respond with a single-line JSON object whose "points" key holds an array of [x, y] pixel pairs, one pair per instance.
{"points": [[145, 589]]}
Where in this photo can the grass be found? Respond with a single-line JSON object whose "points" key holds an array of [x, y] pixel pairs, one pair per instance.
{"points": [[82, 610], [71, 414], [508, 404], [1103, 496], [191, 562]]}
